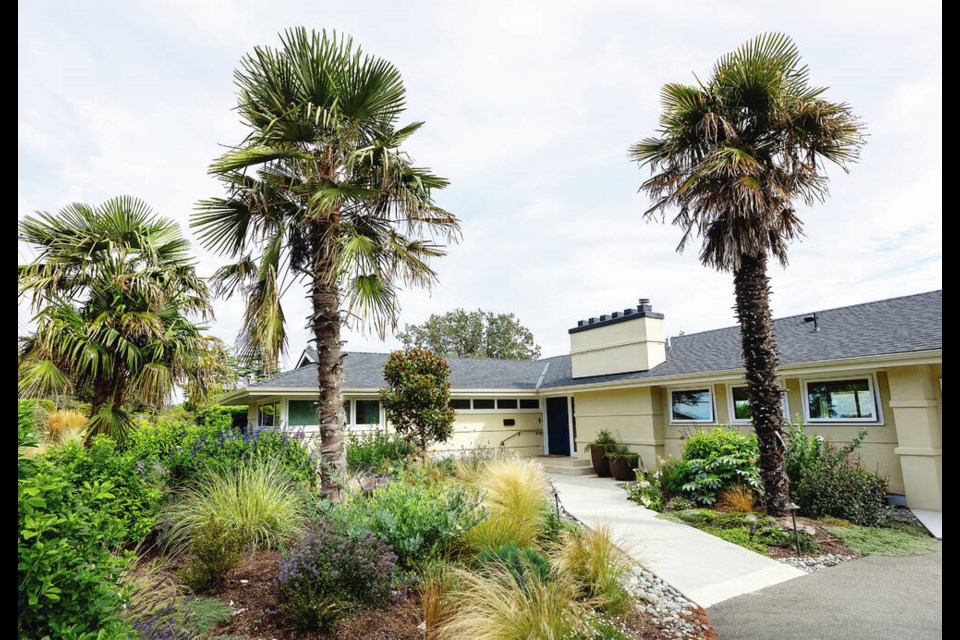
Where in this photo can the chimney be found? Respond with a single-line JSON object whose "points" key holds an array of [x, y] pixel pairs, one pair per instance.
{"points": [[620, 342]]}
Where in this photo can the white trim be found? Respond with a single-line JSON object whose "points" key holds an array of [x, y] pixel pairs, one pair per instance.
{"points": [[731, 409], [870, 377], [694, 387]]}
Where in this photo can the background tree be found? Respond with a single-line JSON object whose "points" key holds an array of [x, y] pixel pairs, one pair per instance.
{"points": [[115, 293], [732, 156], [320, 192], [417, 403], [473, 334]]}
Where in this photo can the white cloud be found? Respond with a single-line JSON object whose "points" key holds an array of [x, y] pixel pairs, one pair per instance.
{"points": [[530, 107]]}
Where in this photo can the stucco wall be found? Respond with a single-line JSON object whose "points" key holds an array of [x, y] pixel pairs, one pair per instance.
{"points": [[640, 418], [471, 430]]}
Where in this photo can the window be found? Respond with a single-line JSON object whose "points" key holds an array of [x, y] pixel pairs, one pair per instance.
{"points": [[848, 400], [495, 404], [302, 413], [346, 411], [691, 405], [740, 405], [368, 411], [268, 415]]}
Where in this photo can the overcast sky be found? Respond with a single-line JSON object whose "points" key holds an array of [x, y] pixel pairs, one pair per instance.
{"points": [[530, 108]]}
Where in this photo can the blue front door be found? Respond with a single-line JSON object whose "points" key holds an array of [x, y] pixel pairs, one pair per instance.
{"points": [[558, 427]]}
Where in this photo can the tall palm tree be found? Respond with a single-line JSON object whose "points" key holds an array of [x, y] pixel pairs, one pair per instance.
{"points": [[732, 156], [320, 192], [115, 293]]}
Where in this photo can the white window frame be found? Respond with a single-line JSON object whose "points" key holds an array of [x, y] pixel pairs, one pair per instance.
{"points": [[694, 387], [871, 386], [276, 415], [784, 404], [496, 399], [353, 414]]}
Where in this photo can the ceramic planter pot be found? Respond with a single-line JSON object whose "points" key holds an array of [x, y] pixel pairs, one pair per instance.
{"points": [[622, 467], [601, 464]]}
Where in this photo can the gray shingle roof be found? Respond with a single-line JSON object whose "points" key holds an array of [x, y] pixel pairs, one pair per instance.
{"points": [[365, 371], [885, 327]]}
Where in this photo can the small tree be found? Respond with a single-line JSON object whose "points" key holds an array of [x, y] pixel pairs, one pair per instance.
{"points": [[417, 403]]}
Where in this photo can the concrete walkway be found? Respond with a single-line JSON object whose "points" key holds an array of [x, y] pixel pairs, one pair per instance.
{"points": [[932, 520], [702, 567], [875, 597]]}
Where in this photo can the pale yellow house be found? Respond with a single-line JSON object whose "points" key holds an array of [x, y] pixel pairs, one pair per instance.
{"points": [[876, 366]]}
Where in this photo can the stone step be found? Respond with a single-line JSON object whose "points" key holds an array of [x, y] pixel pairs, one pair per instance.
{"points": [[569, 471], [566, 466]]}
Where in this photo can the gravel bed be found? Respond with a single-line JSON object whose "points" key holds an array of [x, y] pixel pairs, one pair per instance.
{"points": [[809, 564], [672, 612]]}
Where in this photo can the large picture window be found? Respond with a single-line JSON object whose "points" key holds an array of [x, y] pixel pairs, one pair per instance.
{"points": [[268, 415], [740, 412], [302, 413], [843, 400], [691, 405], [368, 411]]}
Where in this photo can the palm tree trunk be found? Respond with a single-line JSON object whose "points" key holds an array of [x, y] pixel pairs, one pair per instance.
{"points": [[325, 296], [752, 289]]}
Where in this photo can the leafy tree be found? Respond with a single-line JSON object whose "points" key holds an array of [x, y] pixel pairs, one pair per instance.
{"points": [[116, 295], [473, 334], [417, 403], [320, 192], [733, 155]]}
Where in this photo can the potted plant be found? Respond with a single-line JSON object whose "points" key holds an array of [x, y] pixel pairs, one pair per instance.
{"points": [[598, 453], [623, 463]]}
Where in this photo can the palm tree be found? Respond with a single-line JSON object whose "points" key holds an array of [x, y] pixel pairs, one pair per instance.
{"points": [[733, 155], [114, 291], [320, 192]]}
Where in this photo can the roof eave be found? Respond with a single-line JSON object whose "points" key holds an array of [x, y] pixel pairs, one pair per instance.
{"points": [[932, 356]]}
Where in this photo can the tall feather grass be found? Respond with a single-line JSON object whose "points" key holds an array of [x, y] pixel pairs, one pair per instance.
{"points": [[61, 424], [492, 606], [515, 498], [257, 498], [438, 580], [598, 567]]}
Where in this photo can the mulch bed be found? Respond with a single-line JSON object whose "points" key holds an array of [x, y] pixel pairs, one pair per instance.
{"points": [[251, 593], [829, 544]]}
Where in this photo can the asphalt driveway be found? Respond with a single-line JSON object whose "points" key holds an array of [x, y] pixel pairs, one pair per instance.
{"points": [[875, 597]]}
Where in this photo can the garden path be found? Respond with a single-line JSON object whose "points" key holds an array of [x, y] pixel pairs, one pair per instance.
{"points": [[702, 567]]}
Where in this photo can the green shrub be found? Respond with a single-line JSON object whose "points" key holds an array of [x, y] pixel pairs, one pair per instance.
{"points": [[137, 490], [829, 481], [187, 450], [735, 527], [378, 451], [66, 575], [842, 489], [257, 499], [420, 521], [222, 416], [329, 571], [523, 564], [713, 459], [215, 549]]}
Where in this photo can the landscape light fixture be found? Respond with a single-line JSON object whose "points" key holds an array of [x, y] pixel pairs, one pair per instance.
{"points": [[792, 508], [752, 521], [813, 318]]}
